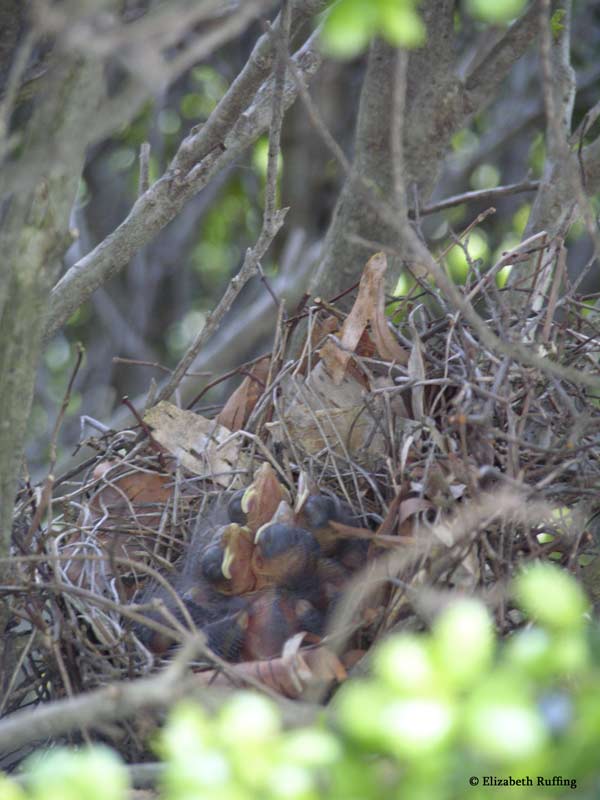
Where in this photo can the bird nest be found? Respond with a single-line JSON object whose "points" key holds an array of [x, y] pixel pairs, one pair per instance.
{"points": [[336, 497]]}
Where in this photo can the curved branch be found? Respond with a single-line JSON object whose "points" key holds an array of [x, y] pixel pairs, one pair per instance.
{"points": [[165, 198]]}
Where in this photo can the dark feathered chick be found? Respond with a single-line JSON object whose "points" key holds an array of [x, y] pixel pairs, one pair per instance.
{"points": [[234, 508], [284, 555], [317, 512], [273, 617], [226, 562]]}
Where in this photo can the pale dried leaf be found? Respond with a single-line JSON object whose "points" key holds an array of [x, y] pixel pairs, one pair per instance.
{"points": [[318, 665], [240, 405], [196, 442], [369, 307], [416, 372], [387, 345]]}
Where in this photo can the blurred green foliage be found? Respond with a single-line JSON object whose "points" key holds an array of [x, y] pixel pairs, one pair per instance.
{"points": [[474, 249], [351, 24], [442, 713], [495, 11]]}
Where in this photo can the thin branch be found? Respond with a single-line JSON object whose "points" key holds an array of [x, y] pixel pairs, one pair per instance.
{"points": [[477, 196], [281, 43], [14, 81], [397, 131], [165, 198], [144, 179], [256, 70], [115, 702], [123, 700], [228, 29], [423, 260], [273, 218], [489, 72]]}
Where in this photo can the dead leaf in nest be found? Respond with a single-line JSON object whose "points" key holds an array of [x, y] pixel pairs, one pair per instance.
{"points": [[391, 532], [416, 372], [120, 522], [340, 430], [131, 491], [241, 403], [289, 675], [369, 307], [263, 497], [197, 442], [317, 413], [409, 508]]}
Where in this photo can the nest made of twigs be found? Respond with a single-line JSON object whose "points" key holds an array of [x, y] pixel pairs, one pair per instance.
{"points": [[463, 461]]}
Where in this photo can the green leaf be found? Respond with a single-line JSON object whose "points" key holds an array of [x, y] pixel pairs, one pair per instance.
{"points": [[414, 727], [349, 27], [359, 706], [251, 713], [400, 24], [91, 774], [551, 596], [464, 641], [9, 790], [405, 664], [505, 731], [556, 22], [495, 11]]}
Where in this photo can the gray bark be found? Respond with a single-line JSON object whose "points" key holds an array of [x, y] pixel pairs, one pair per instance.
{"points": [[438, 104]]}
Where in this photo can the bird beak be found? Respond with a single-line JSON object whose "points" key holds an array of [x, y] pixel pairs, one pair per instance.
{"points": [[247, 497], [303, 492], [228, 557], [260, 530]]}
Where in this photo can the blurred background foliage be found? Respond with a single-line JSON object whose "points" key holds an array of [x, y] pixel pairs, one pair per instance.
{"points": [[151, 311]]}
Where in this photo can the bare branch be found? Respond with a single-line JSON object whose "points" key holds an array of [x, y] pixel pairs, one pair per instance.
{"points": [[122, 700], [165, 198], [273, 219], [564, 186], [477, 196], [397, 132], [489, 72], [246, 84], [12, 87], [247, 271]]}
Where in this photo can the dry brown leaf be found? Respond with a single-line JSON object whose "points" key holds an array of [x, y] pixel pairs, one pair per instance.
{"points": [[318, 413], [287, 676], [242, 401], [409, 508], [263, 497], [197, 442], [135, 488], [388, 347], [118, 522], [390, 522], [321, 328], [369, 307], [416, 371]]}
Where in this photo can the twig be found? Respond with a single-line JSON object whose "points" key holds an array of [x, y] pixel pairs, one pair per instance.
{"points": [[144, 179], [115, 702], [46, 498], [12, 87], [136, 362], [191, 169], [280, 43], [397, 132], [480, 195], [273, 220]]}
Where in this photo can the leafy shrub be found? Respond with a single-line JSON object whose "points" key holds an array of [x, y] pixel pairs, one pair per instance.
{"points": [[444, 715]]}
